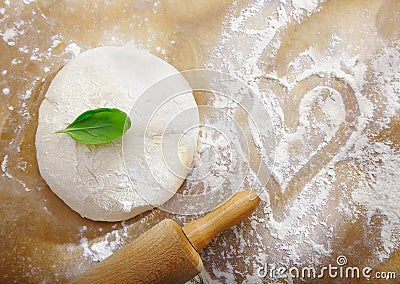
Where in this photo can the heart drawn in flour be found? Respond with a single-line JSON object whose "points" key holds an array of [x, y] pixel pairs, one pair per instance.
{"points": [[320, 114], [314, 120]]}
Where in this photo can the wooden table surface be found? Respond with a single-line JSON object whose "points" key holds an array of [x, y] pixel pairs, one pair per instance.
{"points": [[42, 239]]}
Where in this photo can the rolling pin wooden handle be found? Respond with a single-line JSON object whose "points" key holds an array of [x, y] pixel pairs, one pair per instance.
{"points": [[231, 212]]}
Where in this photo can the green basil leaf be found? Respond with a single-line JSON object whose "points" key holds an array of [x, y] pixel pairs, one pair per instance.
{"points": [[98, 126]]}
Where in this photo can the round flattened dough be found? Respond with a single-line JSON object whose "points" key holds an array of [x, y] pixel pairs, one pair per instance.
{"points": [[93, 180]]}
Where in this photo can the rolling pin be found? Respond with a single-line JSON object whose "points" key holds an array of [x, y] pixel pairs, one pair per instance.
{"points": [[168, 253]]}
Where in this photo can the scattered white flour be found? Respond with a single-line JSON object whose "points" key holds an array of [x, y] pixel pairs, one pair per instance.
{"points": [[27, 2], [308, 5], [101, 249], [72, 49], [300, 235], [98, 251], [8, 36], [4, 164], [387, 71], [6, 91], [381, 194], [6, 173]]}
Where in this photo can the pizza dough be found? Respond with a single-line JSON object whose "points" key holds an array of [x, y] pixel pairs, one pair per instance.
{"points": [[118, 180]]}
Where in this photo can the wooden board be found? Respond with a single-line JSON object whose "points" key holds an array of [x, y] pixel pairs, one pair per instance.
{"points": [[43, 240]]}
